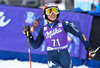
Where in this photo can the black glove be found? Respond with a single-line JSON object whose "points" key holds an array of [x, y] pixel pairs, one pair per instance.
{"points": [[26, 31], [91, 53]]}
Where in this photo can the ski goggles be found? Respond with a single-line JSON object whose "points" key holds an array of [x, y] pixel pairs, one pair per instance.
{"points": [[50, 10]]}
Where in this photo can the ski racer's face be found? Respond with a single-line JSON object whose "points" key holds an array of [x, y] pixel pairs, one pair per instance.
{"points": [[52, 17]]}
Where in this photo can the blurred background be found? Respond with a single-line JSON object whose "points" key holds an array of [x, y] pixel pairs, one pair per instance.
{"points": [[86, 5], [85, 15]]}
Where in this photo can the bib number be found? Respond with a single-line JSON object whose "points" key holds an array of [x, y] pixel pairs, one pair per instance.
{"points": [[54, 42]]}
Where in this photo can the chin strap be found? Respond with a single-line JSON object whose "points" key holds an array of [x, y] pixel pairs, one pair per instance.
{"points": [[50, 20]]}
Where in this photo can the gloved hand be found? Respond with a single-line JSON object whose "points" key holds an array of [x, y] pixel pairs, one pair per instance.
{"points": [[91, 53], [26, 31]]}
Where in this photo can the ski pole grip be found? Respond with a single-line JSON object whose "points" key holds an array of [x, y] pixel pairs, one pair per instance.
{"points": [[27, 33]]}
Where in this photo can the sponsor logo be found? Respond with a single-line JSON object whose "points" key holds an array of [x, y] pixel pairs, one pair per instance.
{"points": [[45, 28], [73, 26], [66, 22], [52, 33], [60, 24], [3, 23], [50, 64]]}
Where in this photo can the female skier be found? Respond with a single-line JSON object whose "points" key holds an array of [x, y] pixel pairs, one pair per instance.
{"points": [[55, 34]]}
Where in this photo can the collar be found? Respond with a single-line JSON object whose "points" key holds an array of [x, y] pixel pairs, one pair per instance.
{"points": [[53, 24]]}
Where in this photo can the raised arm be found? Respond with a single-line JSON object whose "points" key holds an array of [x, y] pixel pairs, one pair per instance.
{"points": [[35, 43]]}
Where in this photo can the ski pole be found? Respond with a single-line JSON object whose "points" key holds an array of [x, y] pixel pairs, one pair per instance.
{"points": [[97, 49], [29, 49]]}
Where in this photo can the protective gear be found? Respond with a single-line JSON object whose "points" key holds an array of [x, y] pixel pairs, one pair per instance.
{"points": [[26, 31], [49, 8], [91, 53]]}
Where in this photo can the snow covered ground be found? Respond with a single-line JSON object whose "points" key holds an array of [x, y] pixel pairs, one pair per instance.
{"points": [[25, 64]]}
